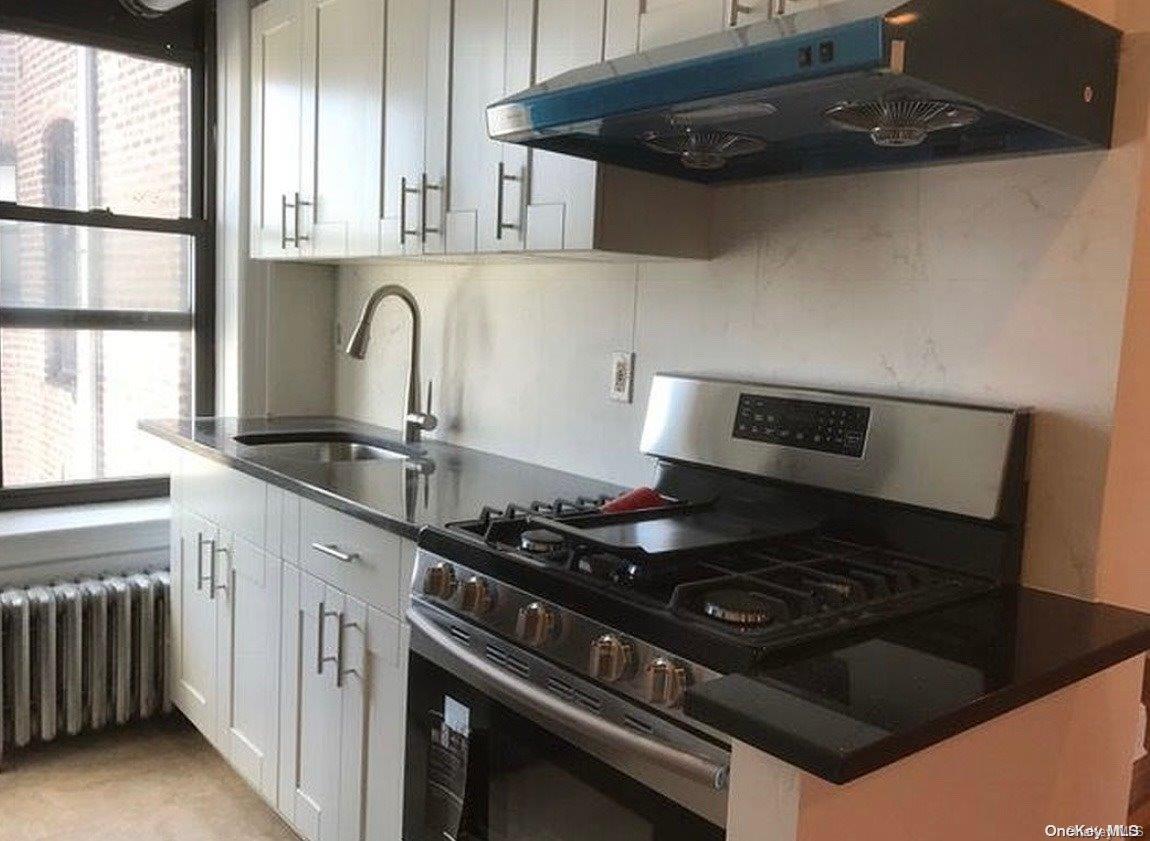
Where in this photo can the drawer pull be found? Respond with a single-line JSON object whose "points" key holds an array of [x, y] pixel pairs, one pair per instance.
{"points": [[333, 551]]}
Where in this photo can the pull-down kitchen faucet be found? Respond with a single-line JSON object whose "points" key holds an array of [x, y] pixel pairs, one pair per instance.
{"points": [[414, 420]]}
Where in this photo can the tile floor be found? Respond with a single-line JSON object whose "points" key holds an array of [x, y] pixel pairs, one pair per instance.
{"points": [[155, 781]]}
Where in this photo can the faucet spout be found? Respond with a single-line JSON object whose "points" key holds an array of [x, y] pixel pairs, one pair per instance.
{"points": [[415, 420]]}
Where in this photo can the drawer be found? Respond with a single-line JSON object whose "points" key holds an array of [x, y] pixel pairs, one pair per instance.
{"points": [[230, 499], [370, 567]]}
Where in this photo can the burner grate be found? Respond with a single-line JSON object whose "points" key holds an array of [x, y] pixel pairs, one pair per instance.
{"points": [[490, 516], [818, 581]]}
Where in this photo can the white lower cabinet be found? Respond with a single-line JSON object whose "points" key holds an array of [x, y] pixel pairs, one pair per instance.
{"points": [[341, 714], [311, 706], [300, 682], [379, 704], [225, 643], [194, 624], [250, 661]]}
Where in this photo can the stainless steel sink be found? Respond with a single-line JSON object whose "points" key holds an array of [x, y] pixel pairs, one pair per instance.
{"points": [[323, 447]]}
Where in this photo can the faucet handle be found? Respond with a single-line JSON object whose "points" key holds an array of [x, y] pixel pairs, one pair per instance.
{"points": [[425, 420]]}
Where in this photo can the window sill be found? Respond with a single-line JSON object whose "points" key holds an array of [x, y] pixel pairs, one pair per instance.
{"points": [[46, 535]]}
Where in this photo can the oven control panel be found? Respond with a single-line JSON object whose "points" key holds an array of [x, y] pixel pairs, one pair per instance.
{"points": [[837, 428]]}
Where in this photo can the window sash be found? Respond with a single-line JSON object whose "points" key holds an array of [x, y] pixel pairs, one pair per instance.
{"points": [[52, 318], [102, 219]]}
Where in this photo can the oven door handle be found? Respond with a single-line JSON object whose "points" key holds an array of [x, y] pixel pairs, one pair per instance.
{"points": [[687, 765]]}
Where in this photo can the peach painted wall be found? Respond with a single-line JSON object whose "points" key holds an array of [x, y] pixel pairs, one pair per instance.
{"points": [[1123, 575], [1062, 760]]}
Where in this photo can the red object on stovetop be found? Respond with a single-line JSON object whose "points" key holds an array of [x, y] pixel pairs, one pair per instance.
{"points": [[637, 499]]}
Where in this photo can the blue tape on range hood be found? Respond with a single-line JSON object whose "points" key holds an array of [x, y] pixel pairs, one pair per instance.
{"points": [[858, 46]]}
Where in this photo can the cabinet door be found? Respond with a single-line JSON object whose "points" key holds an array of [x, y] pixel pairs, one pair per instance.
{"points": [[277, 83], [670, 21], [478, 54], [402, 226], [341, 120], [437, 123], [374, 686], [561, 211], [311, 711], [742, 12], [787, 7], [195, 644], [175, 587], [491, 54], [510, 218], [252, 622]]}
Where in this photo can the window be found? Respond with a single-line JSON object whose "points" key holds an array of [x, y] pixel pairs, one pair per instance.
{"points": [[105, 265]]}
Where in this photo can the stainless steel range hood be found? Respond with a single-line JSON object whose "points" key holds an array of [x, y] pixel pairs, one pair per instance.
{"points": [[858, 84]]}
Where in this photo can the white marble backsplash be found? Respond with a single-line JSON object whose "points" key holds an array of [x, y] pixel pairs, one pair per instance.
{"points": [[999, 281]]}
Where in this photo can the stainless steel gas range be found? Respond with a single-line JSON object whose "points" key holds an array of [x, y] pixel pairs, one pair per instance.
{"points": [[556, 644]]}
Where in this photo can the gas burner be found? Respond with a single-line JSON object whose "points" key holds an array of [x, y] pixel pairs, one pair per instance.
{"points": [[744, 608], [540, 541]]}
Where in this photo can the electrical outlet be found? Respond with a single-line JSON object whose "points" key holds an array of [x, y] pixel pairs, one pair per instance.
{"points": [[622, 376]]}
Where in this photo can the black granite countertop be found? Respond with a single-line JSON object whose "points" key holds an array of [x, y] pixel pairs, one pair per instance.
{"points": [[446, 483], [839, 708], [856, 703]]}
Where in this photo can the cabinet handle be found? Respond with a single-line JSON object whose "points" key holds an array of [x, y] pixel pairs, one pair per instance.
{"points": [[323, 613], [738, 8], [200, 577], [340, 671], [425, 188], [333, 551], [284, 240], [213, 586], [404, 190], [299, 203], [500, 225]]}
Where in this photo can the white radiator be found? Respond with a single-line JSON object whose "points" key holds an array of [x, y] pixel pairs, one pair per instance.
{"points": [[79, 656]]}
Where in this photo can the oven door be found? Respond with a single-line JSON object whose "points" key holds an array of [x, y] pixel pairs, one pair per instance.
{"points": [[494, 755]]}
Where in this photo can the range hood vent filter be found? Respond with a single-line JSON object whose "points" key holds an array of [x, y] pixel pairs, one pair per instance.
{"points": [[898, 123], [703, 150]]}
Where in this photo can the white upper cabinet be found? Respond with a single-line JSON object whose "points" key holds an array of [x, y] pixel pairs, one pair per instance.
{"points": [[360, 105], [416, 108], [343, 40], [664, 22], [669, 21], [317, 91], [561, 209], [577, 205], [491, 57], [276, 99]]}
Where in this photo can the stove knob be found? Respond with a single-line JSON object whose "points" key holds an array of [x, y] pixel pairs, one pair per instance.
{"points": [[612, 659], [536, 624], [477, 596], [439, 581], [666, 682]]}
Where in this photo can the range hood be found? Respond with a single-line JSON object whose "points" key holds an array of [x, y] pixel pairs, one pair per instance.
{"points": [[858, 84]]}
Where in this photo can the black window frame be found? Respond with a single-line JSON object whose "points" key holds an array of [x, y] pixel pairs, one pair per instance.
{"points": [[199, 225]]}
